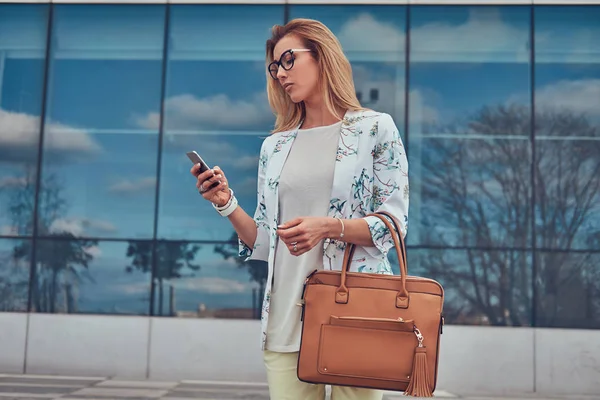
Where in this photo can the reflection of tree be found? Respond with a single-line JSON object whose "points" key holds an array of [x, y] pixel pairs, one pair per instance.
{"points": [[59, 256], [13, 289], [478, 193], [171, 258], [257, 269]]}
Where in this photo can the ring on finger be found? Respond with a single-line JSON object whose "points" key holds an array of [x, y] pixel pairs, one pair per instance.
{"points": [[295, 244], [202, 190]]}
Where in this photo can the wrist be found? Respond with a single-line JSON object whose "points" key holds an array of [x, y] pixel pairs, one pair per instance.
{"points": [[226, 201], [334, 228]]}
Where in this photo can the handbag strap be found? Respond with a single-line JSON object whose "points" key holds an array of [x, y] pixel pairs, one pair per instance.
{"points": [[402, 299], [399, 232]]}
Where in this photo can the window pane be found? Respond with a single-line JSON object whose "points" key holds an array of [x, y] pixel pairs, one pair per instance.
{"points": [[88, 276], [469, 133], [567, 106], [568, 290], [15, 259], [216, 104], [374, 40], [23, 30], [207, 281], [480, 287], [105, 73]]}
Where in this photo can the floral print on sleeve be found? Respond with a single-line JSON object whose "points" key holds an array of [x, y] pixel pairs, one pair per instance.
{"points": [[389, 182], [260, 250]]}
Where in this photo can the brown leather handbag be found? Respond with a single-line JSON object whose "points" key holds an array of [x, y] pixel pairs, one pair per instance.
{"points": [[371, 330]]}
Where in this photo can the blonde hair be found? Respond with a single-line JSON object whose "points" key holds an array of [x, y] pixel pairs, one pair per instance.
{"points": [[335, 78]]}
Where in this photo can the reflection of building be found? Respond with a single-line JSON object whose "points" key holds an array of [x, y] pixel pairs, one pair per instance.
{"points": [[504, 215]]}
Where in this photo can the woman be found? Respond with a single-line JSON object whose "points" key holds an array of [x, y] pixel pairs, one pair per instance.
{"points": [[327, 164]]}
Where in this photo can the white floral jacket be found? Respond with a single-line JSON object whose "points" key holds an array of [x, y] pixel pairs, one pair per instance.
{"points": [[371, 174]]}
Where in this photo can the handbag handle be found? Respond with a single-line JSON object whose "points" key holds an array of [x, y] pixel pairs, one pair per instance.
{"points": [[402, 299]]}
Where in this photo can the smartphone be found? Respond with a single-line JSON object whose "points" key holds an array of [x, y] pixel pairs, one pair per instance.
{"points": [[196, 159]]}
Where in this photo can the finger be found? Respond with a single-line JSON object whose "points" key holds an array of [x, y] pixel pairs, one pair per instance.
{"points": [[205, 175], [215, 179], [213, 190], [291, 234], [291, 223], [301, 248]]}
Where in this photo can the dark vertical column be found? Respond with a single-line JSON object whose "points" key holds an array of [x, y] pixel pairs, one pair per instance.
{"points": [[286, 13], [163, 85], [534, 272], [40, 159]]}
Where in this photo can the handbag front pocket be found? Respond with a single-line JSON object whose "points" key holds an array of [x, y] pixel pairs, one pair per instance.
{"points": [[371, 348]]}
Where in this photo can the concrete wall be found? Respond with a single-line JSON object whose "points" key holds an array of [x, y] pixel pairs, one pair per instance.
{"points": [[473, 360]]}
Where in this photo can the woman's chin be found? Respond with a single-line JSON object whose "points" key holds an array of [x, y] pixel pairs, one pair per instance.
{"points": [[296, 99]]}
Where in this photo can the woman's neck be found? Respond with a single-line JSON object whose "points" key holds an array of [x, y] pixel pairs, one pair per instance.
{"points": [[318, 115]]}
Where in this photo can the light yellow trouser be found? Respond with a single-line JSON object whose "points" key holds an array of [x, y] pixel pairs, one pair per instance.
{"points": [[285, 385]]}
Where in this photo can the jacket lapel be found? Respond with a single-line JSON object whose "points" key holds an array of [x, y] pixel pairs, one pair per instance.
{"points": [[281, 150]]}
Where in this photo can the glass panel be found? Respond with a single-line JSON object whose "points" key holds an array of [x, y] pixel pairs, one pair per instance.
{"points": [[105, 73], [207, 281], [216, 104], [374, 40], [88, 276], [567, 111], [481, 287], [15, 259], [23, 29], [469, 149], [568, 290]]}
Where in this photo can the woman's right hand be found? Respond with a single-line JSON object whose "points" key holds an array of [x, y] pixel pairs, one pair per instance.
{"points": [[218, 194]]}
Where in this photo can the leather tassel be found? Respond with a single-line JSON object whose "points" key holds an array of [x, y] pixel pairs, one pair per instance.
{"points": [[418, 385]]}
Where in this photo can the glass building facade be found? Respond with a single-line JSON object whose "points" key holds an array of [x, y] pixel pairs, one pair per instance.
{"points": [[499, 108]]}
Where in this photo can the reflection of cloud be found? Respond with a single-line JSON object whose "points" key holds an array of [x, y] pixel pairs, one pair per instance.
{"points": [[578, 96], [187, 112], [420, 111], [484, 36], [19, 136], [127, 186], [579, 45], [365, 33], [78, 226], [246, 162], [12, 182], [93, 251], [215, 285], [9, 230]]}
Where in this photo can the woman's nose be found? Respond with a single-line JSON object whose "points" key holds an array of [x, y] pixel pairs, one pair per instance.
{"points": [[281, 73]]}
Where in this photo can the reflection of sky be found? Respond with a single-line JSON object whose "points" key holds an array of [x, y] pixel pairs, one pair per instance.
{"points": [[106, 287], [102, 120]]}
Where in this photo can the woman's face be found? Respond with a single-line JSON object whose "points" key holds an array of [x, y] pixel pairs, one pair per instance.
{"points": [[298, 72]]}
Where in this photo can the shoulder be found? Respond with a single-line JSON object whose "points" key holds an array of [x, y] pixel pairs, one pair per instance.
{"points": [[368, 116]]}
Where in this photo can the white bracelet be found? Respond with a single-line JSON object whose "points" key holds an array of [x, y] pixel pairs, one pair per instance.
{"points": [[342, 222], [228, 208]]}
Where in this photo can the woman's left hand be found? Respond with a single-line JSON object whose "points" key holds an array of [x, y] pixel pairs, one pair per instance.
{"points": [[302, 234]]}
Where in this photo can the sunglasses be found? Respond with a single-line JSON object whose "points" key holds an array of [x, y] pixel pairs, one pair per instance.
{"points": [[286, 61]]}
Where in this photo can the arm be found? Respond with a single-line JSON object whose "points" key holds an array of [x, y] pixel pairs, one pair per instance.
{"points": [[253, 233], [390, 185]]}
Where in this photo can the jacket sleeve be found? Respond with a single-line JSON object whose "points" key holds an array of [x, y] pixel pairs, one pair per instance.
{"points": [[390, 184], [260, 250]]}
